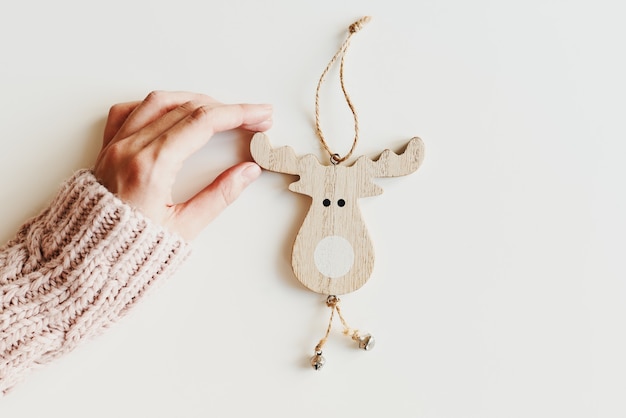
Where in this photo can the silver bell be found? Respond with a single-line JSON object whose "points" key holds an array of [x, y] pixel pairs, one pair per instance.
{"points": [[366, 342], [317, 361]]}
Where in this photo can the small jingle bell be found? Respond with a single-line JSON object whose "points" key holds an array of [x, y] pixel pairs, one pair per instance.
{"points": [[366, 342], [317, 361]]}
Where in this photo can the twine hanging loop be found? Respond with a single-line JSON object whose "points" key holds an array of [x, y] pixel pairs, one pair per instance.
{"points": [[334, 157]]}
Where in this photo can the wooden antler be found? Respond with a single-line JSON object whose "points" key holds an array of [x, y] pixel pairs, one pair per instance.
{"points": [[282, 160], [390, 164]]}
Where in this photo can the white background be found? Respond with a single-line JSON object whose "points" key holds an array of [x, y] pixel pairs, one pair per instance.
{"points": [[498, 289]]}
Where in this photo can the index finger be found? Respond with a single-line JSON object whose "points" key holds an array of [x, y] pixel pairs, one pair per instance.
{"points": [[195, 130], [118, 114], [154, 106]]}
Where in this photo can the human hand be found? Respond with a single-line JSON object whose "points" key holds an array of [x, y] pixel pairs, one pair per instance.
{"points": [[145, 144]]}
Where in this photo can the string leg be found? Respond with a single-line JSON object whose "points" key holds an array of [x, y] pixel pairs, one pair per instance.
{"points": [[365, 342]]}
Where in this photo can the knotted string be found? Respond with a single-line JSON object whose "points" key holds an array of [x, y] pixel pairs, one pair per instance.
{"points": [[335, 158], [333, 303]]}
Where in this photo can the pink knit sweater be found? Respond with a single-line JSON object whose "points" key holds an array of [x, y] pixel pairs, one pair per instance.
{"points": [[73, 270]]}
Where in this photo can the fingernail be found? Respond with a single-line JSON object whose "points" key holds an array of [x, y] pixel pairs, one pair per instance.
{"points": [[250, 173], [266, 108]]}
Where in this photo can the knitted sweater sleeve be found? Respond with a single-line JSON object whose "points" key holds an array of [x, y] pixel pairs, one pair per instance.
{"points": [[73, 270]]}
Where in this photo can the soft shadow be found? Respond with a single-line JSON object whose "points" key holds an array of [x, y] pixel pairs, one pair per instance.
{"points": [[301, 207], [222, 151], [63, 167], [92, 144]]}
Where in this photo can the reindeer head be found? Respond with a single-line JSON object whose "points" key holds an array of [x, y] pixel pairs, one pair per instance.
{"points": [[333, 253]]}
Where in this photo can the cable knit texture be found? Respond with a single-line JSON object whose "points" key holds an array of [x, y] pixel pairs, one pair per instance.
{"points": [[73, 270]]}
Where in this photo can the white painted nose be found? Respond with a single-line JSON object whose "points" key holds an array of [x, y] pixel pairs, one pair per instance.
{"points": [[334, 256]]}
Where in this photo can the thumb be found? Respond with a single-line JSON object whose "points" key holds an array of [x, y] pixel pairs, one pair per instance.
{"points": [[206, 205]]}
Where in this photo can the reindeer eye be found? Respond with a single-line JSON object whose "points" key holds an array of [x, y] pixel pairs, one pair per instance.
{"points": [[326, 202], [341, 203]]}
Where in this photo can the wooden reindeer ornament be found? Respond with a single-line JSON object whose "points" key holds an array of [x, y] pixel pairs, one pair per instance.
{"points": [[333, 253]]}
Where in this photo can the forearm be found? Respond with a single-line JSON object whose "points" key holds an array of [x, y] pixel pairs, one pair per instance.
{"points": [[73, 270]]}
